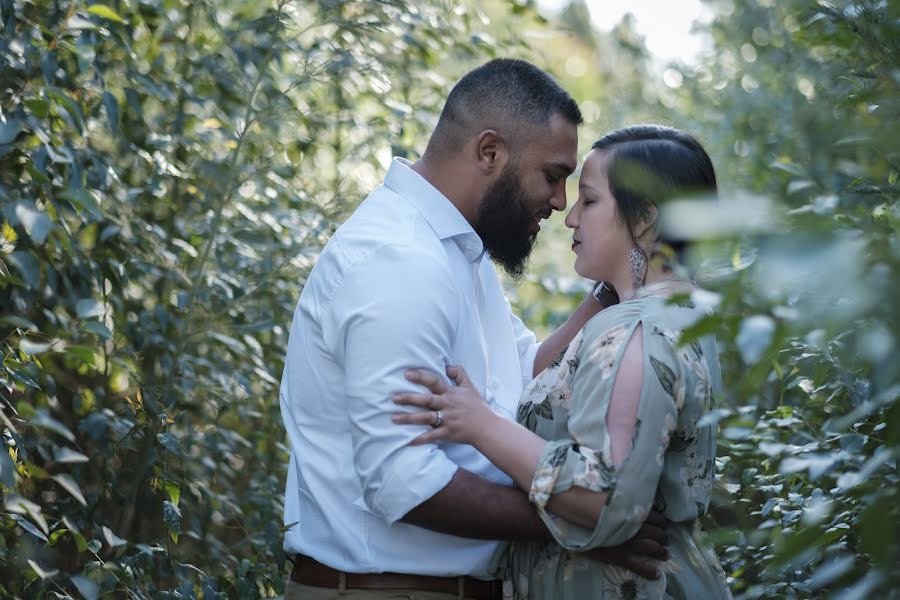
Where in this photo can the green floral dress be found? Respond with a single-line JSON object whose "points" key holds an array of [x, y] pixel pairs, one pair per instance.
{"points": [[670, 465]]}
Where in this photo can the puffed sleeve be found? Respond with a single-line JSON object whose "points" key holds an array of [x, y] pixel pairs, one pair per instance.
{"points": [[585, 460]]}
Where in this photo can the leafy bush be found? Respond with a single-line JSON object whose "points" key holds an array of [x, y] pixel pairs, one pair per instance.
{"points": [[811, 426], [169, 172]]}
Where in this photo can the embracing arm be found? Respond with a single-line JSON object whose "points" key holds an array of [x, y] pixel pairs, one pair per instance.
{"points": [[557, 341], [473, 507], [518, 452]]}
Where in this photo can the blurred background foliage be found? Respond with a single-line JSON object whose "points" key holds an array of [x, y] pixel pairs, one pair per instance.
{"points": [[169, 171]]}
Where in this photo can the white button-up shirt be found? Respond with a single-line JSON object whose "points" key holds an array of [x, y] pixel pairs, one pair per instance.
{"points": [[403, 283]]}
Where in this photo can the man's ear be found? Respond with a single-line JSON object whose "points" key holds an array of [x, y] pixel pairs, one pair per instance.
{"points": [[491, 152]]}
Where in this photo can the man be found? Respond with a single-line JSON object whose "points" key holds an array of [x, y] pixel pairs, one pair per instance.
{"points": [[408, 282]]}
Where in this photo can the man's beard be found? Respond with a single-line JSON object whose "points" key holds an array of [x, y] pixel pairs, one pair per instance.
{"points": [[504, 223]]}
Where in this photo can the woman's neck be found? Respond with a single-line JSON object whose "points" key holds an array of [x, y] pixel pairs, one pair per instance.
{"points": [[624, 281]]}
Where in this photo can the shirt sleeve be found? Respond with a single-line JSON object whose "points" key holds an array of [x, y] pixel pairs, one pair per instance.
{"points": [[393, 311], [526, 345], [585, 460]]}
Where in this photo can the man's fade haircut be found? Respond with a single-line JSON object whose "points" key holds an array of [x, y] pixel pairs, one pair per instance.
{"points": [[511, 96]]}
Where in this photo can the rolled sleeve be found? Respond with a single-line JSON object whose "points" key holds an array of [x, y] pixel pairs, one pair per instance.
{"points": [[386, 325]]}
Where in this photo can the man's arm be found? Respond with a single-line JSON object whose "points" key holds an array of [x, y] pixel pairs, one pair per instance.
{"points": [[473, 507]]}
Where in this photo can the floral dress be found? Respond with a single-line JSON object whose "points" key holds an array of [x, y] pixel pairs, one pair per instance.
{"points": [[670, 465]]}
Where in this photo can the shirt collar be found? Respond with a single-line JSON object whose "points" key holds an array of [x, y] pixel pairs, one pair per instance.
{"points": [[445, 219]]}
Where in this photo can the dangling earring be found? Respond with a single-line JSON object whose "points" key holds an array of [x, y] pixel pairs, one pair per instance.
{"points": [[638, 261]]}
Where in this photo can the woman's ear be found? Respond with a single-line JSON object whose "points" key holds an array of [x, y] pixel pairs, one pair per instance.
{"points": [[491, 152], [646, 228]]}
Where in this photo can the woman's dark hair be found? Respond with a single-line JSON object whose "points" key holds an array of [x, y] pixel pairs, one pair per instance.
{"points": [[650, 164]]}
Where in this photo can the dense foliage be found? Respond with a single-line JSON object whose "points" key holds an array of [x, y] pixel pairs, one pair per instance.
{"points": [[169, 171]]}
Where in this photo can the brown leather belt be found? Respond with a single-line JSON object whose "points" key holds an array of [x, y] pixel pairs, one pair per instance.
{"points": [[309, 571]]}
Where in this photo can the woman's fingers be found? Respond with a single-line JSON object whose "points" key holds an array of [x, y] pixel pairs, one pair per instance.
{"points": [[429, 437], [413, 399], [427, 417], [428, 379], [458, 375]]}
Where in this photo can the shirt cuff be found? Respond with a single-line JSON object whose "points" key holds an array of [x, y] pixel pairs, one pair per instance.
{"points": [[527, 361], [410, 483]]}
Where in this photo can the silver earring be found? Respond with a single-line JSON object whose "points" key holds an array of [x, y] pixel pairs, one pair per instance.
{"points": [[638, 266]]}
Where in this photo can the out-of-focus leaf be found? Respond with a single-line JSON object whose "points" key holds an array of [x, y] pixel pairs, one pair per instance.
{"points": [[170, 442], [35, 222], [43, 574], [87, 588], [89, 308], [112, 539], [71, 486], [102, 10], [754, 337], [45, 421]]}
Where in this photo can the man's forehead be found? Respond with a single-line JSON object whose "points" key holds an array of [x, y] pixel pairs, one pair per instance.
{"points": [[559, 147]]}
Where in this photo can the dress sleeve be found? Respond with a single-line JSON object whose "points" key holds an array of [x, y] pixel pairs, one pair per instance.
{"points": [[585, 460]]}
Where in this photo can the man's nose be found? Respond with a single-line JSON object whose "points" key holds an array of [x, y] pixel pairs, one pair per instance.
{"points": [[558, 200]]}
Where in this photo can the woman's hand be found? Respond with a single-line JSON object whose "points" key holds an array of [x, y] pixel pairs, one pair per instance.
{"points": [[456, 414]]}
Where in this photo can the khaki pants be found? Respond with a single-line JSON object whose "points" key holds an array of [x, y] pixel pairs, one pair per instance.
{"points": [[297, 591]]}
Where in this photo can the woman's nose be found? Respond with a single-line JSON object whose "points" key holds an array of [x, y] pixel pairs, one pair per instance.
{"points": [[572, 218]]}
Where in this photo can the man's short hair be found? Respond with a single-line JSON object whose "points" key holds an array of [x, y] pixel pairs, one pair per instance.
{"points": [[511, 96]]}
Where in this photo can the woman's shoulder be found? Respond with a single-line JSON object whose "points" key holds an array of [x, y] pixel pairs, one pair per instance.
{"points": [[617, 316]]}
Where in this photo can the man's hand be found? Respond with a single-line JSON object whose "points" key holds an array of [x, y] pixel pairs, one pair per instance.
{"points": [[641, 553]]}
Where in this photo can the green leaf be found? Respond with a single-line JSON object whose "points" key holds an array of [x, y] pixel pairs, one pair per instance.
{"points": [[173, 490], [170, 442], [88, 308], [9, 130], [18, 505], [112, 112], [70, 486], [39, 107], [86, 587], [71, 106], [24, 524], [101, 10], [27, 266], [64, 455], [112, 539], [33, 346], [98, 329], [172, 519], [7, 470], [41, 572], [36, 222], [45, 421], [82, 200]]}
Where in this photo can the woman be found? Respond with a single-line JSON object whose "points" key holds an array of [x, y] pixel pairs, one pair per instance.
{"points": [[621, 407]]}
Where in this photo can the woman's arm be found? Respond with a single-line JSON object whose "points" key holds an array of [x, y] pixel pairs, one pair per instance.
{"points": [[514, 449], [557, 341]]}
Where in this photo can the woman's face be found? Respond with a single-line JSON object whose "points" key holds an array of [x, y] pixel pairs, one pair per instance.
{"points": [[601, 239]]}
